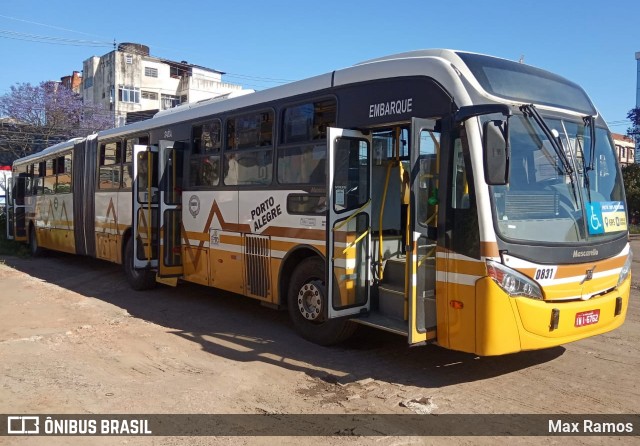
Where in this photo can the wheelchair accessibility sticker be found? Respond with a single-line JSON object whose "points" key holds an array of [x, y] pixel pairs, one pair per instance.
{"points": [[606, 216]]}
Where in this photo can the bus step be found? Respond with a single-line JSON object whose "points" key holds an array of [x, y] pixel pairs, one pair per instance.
{"points": [[383, 322], [391, 301], [394, 270]]}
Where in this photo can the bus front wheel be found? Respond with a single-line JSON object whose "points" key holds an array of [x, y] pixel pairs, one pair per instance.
{"points": [[139, 279], [34, 248], [307, 303]]}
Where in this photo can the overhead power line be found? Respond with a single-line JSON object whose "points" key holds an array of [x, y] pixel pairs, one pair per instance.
{"points": [[14, 35], [48, 26]]}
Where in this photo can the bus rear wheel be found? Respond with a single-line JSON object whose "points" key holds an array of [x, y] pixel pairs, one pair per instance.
{"points": [[139, 279], [307, 303], [34, 249]]}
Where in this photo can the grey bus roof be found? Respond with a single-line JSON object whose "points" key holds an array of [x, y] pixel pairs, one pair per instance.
{"points": [[51, 151], [356, 73], [445, 65]]}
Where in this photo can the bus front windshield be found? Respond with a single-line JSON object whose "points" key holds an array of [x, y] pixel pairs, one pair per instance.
{"points": [[559, 198]]}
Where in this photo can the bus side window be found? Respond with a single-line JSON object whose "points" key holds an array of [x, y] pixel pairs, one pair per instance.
{"points": [[462, 214], [38, 174], [109, 168], [459, 183], [50, 177], [249, 156], [127, 161], [301, 154], [204, 163], [127, 165], [302, 165], [63, 169]]}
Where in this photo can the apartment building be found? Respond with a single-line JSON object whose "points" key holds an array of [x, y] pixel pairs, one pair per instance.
{"points": [[134, 85], [624, 148]]}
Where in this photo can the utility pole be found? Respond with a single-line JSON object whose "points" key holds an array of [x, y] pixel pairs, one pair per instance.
{"points": [[637, 140]]}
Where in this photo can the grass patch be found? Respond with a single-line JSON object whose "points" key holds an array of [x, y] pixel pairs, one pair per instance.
{"points": [[10, 247]]}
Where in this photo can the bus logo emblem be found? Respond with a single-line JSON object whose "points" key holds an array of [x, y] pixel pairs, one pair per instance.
{"points": [[194, 205]]}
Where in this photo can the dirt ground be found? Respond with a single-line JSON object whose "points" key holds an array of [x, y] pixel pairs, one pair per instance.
{"points": [[75, 339]]}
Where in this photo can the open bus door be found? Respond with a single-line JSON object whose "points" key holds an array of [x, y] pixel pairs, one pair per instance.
{"points": [[157, 208], [425, 159], [8, 209], [349, 222], [145, 207], [16, 188], [171, 156]]}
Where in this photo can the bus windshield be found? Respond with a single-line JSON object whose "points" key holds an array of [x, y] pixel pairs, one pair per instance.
{"points": [[524, 83], [545, 200]]}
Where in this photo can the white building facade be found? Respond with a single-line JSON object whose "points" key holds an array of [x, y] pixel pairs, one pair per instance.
{"points": [[625, 149], [133, 85]]}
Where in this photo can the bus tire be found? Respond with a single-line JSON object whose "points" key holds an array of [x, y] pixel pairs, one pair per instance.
{"points": [[139, 279], [307, 301], [34, 249]]}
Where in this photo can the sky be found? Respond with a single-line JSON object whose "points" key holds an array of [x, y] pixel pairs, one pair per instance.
{"points": [[261, 44]]}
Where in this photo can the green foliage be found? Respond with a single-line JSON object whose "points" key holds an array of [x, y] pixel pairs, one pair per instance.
{"points": [[634, 117], [10, 247], [631, 177]]}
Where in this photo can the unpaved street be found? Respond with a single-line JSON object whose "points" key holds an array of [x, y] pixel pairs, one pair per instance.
{"points": [[75, 339]]}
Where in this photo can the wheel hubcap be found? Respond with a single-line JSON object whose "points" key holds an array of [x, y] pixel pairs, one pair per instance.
{"points": [[310, 301]]}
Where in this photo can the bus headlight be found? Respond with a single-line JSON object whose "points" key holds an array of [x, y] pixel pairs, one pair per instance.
{"points": [[512, 282], [626, 269]]}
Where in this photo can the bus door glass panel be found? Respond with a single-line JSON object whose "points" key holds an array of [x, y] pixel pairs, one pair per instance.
{"points": [[8, 209], [19, 193], [425, 161], [171, 183], [462, 243], [145, 206], [463, 234], [349, 216]]}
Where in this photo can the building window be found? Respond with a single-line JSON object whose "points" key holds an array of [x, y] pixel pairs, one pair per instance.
{"points": [[128, 58], [88, 82], [152, 96], [129, 94], [169, 101], [150, 72], [176, 72]]}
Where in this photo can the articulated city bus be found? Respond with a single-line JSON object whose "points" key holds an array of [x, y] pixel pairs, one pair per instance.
{"points": [[449, 197]]}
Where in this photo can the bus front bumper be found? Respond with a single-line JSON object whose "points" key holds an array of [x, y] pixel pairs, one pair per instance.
{"points": [[507, 325]]}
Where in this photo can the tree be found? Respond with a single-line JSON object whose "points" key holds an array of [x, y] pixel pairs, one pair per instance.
{"points": [[634, 130], [39, 116], [631, 178]]}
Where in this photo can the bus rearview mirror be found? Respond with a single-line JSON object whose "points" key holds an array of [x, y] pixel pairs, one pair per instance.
{"points": [[495, 142]]}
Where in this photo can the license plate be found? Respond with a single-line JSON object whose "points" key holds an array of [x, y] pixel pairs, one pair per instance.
{"points": [[587, 318]]}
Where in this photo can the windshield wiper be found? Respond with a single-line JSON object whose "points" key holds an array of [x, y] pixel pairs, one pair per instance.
{"points": [[590, 121], [531, 111]]}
